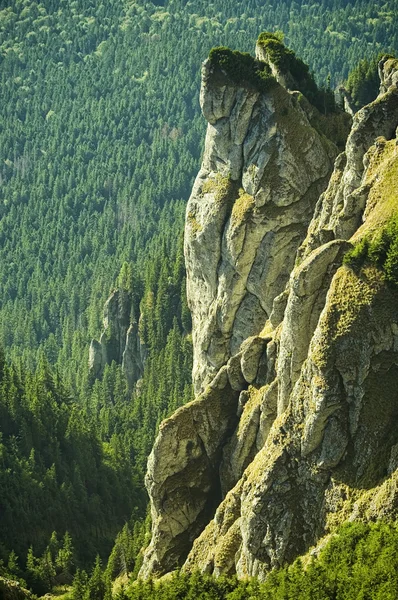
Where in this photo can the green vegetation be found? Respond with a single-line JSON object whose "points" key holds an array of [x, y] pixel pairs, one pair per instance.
{"points": [[101, 135], [361, 561], [283, 58], [287, 63], [381, 250], [242, 68], [78, 466], [100, 139], [363, 81], [242, 208], [221, 187], [56, 474]]}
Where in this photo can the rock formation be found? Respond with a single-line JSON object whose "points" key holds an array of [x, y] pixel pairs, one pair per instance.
{"points": [[295, 354], [120, 341], [12, 590], [263, 169]]}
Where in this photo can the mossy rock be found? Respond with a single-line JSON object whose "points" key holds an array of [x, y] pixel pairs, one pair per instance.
{"points": [[193, 223], [242, 208], [221, 187], [287, 63]]}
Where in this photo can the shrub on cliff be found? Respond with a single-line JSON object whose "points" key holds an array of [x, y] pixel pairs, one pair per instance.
{"points": [[381, 250], [286, 61], [242, 68]]}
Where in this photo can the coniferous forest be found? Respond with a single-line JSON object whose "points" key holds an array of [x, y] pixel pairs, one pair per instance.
{"points": [[100, 140]]}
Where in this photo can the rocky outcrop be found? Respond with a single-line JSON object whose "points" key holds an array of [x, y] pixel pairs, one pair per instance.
{"points": [[330, 448], [346, 98], [182, 475], [12, 590], [295, 433], [309, 284], [339, 211], [120, 341], [263, 169]]}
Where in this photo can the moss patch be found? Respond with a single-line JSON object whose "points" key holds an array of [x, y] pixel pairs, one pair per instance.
{"points": [[341, 500], [195, 226], [226, 549], [382, 177], [348, 310], [222, 188], [254, 401], [242, 208]]}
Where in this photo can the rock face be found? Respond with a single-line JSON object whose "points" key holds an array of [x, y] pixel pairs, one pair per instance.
{"points": [[263, 170], [120, 340], [297, 353]]}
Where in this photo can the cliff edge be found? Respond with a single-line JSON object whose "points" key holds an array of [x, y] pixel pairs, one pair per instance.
{"points": [[295, 346]]}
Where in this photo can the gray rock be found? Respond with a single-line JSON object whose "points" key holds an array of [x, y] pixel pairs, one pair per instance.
{"points": [[119, 341], [96, 360], [252, 351], [340, 210], [235, 375], [309, 284], [134, 355], [263, 169], [182, 477]]}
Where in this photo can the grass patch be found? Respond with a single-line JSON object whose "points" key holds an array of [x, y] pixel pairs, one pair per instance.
{"points": [[220, 186], [195, 226], [349, 308], [381, 250], [382, 178], [376, 241], [242, 208]]}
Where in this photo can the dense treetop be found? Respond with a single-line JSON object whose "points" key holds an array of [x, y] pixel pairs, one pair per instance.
{"points": [[360, 561]]}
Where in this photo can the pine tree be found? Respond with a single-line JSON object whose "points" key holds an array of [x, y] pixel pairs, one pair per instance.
{"points": [[79, 585], [65, 560], [96, 587]]}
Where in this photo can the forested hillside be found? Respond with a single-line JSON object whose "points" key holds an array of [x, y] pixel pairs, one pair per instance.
{"points": [[359, 562], [100, 138], [55, 474]]}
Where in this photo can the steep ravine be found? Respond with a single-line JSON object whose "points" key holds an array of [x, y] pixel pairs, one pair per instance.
{"points": [[295, 354]]}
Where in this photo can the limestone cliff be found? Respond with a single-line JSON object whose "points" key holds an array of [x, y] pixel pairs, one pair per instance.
{"points": [[295, 353], [263, 169]]}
